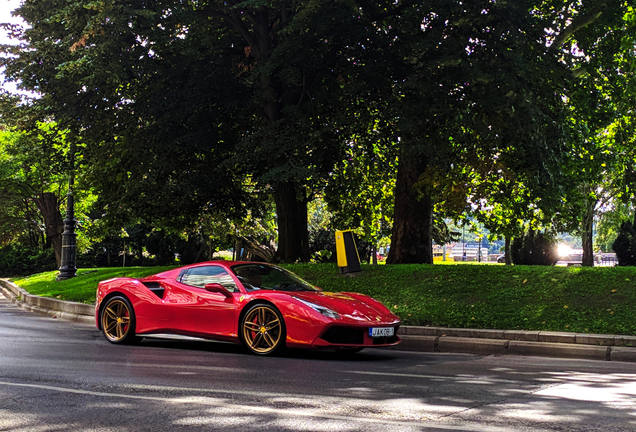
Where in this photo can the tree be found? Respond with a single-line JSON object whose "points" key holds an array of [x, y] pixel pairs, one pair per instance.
{"points": [[597, 43], [625, 245], [534, 248], [480, 92], [134, 82], [360, 190], [184, 102], [126, 80], [33, 182], [609, 222]]}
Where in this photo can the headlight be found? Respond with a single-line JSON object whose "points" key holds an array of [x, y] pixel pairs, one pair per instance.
{"points": [[323, 310]]}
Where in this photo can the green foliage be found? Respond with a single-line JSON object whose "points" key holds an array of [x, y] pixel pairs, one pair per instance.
{"points": [[360, 191], [181, 110], [534, 248], [625, 245], [322, 256], [162, 246], [138, 93], [322, 236], [599, 97], [20, 260], [133, 81], [609, 223], [594, 40], [31, 176]]}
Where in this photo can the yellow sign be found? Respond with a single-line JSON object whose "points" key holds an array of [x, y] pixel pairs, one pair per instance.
{"points": [[347, 252]]}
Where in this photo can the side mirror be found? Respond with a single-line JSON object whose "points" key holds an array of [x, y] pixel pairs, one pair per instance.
{"points": [[218, 288]]}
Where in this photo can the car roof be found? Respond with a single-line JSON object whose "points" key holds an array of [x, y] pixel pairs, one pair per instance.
{"points": [[173, 273]]}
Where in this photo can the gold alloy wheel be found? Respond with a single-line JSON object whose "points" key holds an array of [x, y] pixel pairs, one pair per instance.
{"points": [[116, 320], [262, 329]]}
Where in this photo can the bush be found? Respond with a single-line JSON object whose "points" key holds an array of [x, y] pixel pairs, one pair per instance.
{"points": [[534, 249], [16, 260], [322, 241], [625, 245]]}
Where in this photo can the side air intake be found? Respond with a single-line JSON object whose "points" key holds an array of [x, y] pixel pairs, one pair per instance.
{"points": [[155, 287]]}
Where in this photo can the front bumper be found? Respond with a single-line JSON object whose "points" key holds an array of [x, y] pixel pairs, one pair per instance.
{"points": [[347, 336]]}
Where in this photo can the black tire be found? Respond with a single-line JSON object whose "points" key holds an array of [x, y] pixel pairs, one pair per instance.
{"points": [[117, 321], [262, 329]]}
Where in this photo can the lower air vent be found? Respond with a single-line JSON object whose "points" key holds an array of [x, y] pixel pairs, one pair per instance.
{"points": [[385, 340], [344, 335]]}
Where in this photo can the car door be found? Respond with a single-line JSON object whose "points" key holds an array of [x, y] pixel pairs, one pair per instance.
{"points": [[197, 311]]}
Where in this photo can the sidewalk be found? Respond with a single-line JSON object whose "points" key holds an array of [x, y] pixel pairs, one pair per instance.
{"points": [[422, 339]]}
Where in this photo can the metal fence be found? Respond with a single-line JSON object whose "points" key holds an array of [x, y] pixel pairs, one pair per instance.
{"points": [[607, 260]]}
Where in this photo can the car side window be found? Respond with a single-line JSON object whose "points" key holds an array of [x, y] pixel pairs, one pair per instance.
{"points": [[200, 276]]}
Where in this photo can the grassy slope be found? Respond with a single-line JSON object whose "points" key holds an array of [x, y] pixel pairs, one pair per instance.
{"points": [[591, 300], [83, 287]]}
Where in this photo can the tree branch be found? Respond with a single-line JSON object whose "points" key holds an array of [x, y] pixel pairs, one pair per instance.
{"points": [[577, 24], [235, 20], [266, 252]]}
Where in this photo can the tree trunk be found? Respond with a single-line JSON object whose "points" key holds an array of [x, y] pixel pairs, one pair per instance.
{"points": [[507, 256], [411, 239], [191, 253], [49, 208], [264, 251], [238, 245], [587, 231], [291, 212]]}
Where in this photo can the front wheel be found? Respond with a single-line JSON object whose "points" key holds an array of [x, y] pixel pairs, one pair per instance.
{"points": [[263, 329], [117, 320]]}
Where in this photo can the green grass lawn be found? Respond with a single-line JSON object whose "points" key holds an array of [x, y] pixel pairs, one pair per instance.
{"points": [[81, 288], [576, 299]]}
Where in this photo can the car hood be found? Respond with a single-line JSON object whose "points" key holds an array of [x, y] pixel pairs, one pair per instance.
{"points": [[357, 307]]}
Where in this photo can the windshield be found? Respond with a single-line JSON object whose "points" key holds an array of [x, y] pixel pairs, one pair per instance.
{"points": [[268, 277]]}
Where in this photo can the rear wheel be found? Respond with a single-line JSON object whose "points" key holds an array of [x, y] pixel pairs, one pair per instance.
{"points": [[117, 320], [263, 329]]}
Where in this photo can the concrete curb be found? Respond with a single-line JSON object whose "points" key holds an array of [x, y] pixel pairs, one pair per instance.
{"points": [[519, 342], [422, 339], [523, 335], [65, 310]]}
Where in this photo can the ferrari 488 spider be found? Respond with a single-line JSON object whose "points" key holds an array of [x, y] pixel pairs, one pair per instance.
{"points": [[262, 306]]}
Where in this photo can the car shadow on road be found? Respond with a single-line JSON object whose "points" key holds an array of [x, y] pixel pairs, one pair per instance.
{"points": [[231, 348]]}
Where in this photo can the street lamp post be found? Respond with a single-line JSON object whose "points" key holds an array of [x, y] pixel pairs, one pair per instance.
{"points": [[479, 249], [463, 243], [68, 268]]}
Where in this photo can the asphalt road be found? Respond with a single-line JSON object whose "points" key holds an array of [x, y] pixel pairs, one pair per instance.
{"points": [[60, 376]]}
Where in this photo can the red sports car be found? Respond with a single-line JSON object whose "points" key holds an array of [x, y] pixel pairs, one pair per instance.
{"points": [[262, 306]]}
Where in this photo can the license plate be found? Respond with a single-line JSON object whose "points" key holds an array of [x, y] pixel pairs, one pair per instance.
{"points": [[381, 331]]}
